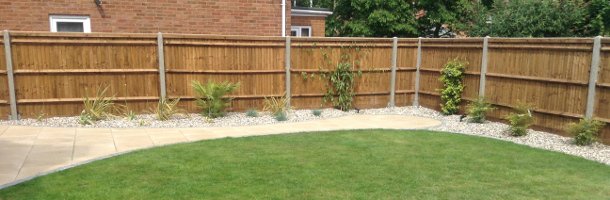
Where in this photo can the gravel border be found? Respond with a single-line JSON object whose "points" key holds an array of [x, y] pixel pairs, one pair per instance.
{"points": [[538, 139]]}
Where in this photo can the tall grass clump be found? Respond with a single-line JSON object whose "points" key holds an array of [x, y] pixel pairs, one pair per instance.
{"points": [[520, 120], [477, 110], [166, 108], [276, 105], [585, 131], [210, 97], [97, 108]]}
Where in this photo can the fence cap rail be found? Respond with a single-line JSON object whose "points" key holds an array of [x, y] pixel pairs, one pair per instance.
{"points": [[222, 37], [543, 40], [82, 35]]}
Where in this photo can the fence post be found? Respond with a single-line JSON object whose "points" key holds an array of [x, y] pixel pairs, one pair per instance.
{"points": [[161, 55], [417, 73], [593, 72], [287, 65], [483, 67], [10, 76], [393, 76]]}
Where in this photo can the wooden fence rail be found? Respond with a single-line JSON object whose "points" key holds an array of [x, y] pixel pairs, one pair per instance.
{"points": [[563, 78]]}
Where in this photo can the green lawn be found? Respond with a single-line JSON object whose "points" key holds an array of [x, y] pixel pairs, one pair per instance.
{"points": [[371, 164]]}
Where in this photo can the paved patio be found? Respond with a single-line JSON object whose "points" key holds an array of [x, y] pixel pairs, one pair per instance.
{"points": [[26, 152]]}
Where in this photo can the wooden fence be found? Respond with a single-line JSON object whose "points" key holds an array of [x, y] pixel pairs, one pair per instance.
{"points": [[54, 71]]}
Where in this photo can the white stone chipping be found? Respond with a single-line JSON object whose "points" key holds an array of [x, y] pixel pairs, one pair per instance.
{"points": [[538, 139]]}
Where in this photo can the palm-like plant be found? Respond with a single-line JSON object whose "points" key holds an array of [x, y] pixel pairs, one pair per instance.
{"points": [[210, 98]]}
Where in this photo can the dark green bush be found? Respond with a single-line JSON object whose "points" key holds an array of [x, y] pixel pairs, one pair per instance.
{"points": [[210, 98], [252, 113], [316, 113], [452, 77], [477, 110], [585, 131], [520, 120], [281, 116]]}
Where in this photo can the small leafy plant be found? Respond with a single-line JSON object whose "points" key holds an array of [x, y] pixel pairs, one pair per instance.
{"points": [[452, 77], [252, 113], [585, 131], [97, 108], [210, 98], [520, 120], [316, 113], [477, 110], [276, 105], [340, 89], [166, 108], [281, 116]]}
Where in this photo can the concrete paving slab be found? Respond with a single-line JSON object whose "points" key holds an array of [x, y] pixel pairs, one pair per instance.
{"points": [[29, 151]]}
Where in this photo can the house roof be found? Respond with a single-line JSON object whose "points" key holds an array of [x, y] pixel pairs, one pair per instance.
{"points": [[310, 12]]}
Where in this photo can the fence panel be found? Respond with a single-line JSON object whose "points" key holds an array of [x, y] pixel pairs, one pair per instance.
{"points": [[54, 72], [435, 54], [406, 69], [256, 63], [549, 74], [4, 106], [314, 55], [602, 107]]}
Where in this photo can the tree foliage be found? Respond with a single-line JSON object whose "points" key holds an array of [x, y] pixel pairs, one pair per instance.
{"points": [[441, 18], [371, 18]]}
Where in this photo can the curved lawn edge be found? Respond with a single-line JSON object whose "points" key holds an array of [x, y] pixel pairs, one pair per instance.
{"points": [[454, 140]]}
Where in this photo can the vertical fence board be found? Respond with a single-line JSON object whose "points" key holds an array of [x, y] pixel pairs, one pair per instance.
{"points": [[257, 65], [4, 108], [309, 56], [435, 54], [548, 74], [405, 76], [54, 72], [602, 107]]}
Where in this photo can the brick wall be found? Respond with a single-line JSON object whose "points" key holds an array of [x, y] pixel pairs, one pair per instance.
{"points": [[227, 17], [318, 24]]}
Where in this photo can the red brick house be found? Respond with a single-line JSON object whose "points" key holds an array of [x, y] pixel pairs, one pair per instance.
{"points": [[225, 17]]}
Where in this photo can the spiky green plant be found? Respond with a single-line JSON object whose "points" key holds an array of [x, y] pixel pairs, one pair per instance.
{"points": [[477, 110], [98, 107], [210, 98], [276, 105], [130, 115], [166, 108], [316, 113], [585, 131], [520, 120]]}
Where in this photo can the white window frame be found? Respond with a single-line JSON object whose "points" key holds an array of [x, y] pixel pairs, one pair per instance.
{"points": [[86, 20], [299, 30]]}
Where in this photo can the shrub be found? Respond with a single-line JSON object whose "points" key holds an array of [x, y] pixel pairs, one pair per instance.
{"points": [[520, 120], [477, 110], [210, 98], [452, 77], [252, 113], [340, 88], [585, 131], [316, 113], [166, 108], [281, 116], [97, 108], [276, 105]]}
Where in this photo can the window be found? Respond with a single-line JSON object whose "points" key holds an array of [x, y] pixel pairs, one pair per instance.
{"points": [[68, 23], [300, 31]]}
